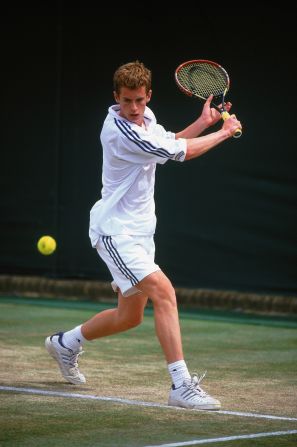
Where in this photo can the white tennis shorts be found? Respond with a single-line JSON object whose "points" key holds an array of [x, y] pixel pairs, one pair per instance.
{"points": [[129, 260]]}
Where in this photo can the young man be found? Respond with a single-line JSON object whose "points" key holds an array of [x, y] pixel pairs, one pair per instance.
{"points": [[122, 226]]}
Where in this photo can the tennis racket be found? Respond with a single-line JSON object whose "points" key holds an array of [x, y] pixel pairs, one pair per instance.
{"points": [[202, 78]]}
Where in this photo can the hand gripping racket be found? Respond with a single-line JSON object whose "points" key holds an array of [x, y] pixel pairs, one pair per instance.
{"points": [[202, 78]]}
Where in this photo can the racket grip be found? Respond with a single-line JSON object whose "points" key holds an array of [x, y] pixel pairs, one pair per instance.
{"points": [[238, 132]]}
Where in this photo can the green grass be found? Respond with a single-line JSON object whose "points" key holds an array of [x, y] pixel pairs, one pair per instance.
{"points": [[251, 363]]}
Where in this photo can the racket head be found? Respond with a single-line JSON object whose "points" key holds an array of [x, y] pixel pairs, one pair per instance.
{"points": [[202, 78]]}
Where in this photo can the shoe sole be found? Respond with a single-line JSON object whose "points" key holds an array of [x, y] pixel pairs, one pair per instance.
{"points": [[213, 407], [52, 352]]}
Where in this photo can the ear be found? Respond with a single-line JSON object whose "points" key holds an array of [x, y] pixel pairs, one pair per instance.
{"points": [[148, 96], [116, 96]]}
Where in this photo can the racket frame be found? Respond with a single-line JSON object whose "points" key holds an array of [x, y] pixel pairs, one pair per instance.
{"points": [[191, 93]]}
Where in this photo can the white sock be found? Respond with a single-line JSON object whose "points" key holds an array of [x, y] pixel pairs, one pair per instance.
{"points": [[73, 339], [179, 372]]}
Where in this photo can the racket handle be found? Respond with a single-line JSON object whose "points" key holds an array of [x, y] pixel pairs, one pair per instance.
{"points": [[238, 132]]}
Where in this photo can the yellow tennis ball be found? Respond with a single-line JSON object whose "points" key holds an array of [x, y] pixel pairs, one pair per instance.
{"points": [[46, 245]]}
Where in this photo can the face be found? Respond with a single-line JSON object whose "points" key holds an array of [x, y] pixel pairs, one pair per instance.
{"points": [[132, 103]]}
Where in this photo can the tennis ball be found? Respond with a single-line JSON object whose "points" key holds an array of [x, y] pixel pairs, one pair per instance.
{"points": [[46, 245]]}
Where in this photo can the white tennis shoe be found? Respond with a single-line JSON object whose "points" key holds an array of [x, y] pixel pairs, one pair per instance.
{"points": [[66, 358], [191, 395]]}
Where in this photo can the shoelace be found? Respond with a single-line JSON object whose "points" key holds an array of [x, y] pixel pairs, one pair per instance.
{"points": [[73, 359], [194, 384]]}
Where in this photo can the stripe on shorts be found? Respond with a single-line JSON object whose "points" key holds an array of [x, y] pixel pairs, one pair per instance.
{"points": [[114, 254]]}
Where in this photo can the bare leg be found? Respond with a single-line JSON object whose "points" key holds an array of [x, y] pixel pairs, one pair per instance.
{"points": [[127, 315], [158, 287]]}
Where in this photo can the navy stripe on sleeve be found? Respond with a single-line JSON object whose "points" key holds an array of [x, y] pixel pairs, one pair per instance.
{"points": [[144, 145]]}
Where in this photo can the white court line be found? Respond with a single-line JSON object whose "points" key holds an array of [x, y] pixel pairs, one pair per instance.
{"points": [[137, 402], [226, 438]]}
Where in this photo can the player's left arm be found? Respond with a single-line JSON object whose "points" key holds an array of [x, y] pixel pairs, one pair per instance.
{"points": [[208, 118], [198, 146]]}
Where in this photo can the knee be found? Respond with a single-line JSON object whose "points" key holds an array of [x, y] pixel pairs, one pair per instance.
{"points": [[131, 321], [159, 289], [135, 320], [163, 293]]}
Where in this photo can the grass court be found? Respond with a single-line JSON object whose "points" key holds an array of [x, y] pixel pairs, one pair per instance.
{"points": [[251, 363]]}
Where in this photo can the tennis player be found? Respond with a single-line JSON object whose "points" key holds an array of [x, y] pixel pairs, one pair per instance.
{"points": [[122, 227]]}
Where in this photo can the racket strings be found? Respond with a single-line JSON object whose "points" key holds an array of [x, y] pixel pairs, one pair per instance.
{"points": [[203, 79]]}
